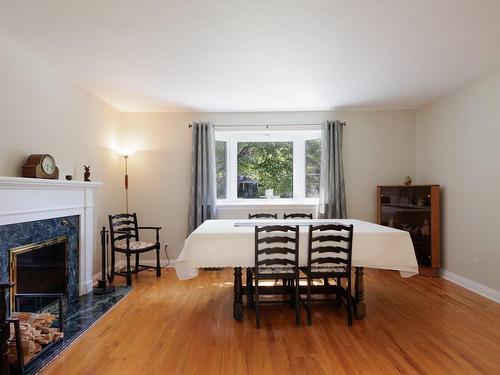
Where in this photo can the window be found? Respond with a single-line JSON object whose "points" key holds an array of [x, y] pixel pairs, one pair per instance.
{"points": [[265, 169], [268, 164], [220, 169], [313, 167]]}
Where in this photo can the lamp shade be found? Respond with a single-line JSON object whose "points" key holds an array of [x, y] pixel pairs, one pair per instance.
{"points": [[125, 151]]}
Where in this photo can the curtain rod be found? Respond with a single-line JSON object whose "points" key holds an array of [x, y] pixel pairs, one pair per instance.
{"points": [[268, 125]]}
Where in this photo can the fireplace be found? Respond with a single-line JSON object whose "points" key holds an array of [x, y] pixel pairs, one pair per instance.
{"points": [[41, 257], [40, 267], [34, 210]]}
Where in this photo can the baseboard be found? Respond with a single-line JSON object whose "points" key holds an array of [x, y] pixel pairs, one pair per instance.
{"points": [[473, 286], [88, 286], [152, 262], [147, 262], [97, 276]]}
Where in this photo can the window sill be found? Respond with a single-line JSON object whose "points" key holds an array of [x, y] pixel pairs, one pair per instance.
{"points": [[289, 203]]}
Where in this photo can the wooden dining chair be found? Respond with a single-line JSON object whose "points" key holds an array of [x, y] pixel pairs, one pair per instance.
{"points": [[268, 216], [330, 256], [124, 234], [277, 256], [297, 216], [262, 216]]}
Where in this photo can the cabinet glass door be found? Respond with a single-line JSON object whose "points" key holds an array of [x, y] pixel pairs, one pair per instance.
{"points": [[409, 209]]}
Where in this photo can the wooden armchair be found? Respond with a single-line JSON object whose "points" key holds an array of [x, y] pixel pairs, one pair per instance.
{"points": [[124, 232]]}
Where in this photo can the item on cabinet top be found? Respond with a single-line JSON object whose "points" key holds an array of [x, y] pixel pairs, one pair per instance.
{"points": [[407, 181], [69, 177]]}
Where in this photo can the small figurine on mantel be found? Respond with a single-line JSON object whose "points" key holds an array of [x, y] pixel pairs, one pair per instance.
{"points": [[86, 175], [407, 181]]}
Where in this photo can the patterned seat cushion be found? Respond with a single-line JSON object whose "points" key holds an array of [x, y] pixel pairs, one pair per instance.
{"points": [[325, 269], [134, 245], [276, 270]]}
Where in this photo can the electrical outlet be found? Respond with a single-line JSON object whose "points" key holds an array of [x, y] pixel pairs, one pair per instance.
{"points": [[475, 261], [166, 253]]}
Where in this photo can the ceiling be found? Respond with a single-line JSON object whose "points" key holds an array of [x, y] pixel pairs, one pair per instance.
{"points": [[235, 55]]}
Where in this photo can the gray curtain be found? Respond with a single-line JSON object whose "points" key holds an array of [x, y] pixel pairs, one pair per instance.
{"points": [[203, 189], [332, 203]]}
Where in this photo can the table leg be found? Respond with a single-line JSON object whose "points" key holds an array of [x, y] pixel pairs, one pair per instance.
{"points": [[360, 307], [238, 301]]}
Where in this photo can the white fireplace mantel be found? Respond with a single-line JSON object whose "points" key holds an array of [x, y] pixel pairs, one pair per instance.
{"points": [[30, 199]]}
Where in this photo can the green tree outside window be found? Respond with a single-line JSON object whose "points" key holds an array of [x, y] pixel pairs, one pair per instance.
{"points": [[265, 165]]}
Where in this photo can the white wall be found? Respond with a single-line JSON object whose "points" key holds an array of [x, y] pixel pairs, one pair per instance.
{"points": [[458, 148], [379, 148], [42, 112]]}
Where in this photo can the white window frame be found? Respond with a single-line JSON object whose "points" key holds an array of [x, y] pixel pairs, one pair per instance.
{"points": [[297, 137]]}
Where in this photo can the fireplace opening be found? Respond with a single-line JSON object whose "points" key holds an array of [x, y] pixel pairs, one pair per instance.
{"points": [[38, 268]]}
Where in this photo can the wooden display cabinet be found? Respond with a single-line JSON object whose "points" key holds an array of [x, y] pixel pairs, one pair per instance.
{"points": [[415, 209]]}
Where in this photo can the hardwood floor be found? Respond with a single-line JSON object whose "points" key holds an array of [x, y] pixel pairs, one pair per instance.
{"points": [[413, 326]]}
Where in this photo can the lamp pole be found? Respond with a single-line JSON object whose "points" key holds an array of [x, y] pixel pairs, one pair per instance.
{"points": [[126, 152], [126, 182]]}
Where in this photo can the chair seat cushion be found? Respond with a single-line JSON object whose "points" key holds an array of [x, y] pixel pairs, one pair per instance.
{"points": [[324, 269], [276, 271], [134, 245]]}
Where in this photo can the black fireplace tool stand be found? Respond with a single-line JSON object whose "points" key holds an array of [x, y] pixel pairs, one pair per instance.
{"points": [[102, 284]]}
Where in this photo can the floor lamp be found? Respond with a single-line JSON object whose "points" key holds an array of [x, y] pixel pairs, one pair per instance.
{"points": [[126, 152]]}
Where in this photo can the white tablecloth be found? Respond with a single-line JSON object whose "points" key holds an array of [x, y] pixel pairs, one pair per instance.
{"points": [[230, 243]]}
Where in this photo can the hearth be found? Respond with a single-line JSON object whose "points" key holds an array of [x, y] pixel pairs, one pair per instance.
{"points": [[40, 267]]}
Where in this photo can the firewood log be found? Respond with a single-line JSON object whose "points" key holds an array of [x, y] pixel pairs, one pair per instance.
{"points": [[35, 333]]}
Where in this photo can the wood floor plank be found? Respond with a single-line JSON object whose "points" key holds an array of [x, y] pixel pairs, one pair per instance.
{"points": [[166, 326]]}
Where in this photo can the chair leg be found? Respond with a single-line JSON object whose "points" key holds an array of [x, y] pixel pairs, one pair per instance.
{"points": [[339, 292], [112, 275], [158, 267], [257, 310], [249, 285], [297, 300], [349, 302], [129, 275], [137, 262], [309, 301]]}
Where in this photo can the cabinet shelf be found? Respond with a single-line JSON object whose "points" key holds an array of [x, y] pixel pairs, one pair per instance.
{"points": [[407, 206]]}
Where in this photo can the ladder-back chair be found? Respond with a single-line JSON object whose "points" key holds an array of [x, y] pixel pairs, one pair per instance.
{"points": [[124, 233], [330, 255], [277, 257]]}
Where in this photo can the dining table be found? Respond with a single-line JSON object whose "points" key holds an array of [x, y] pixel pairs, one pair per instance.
{"points": [[230, 243]]}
